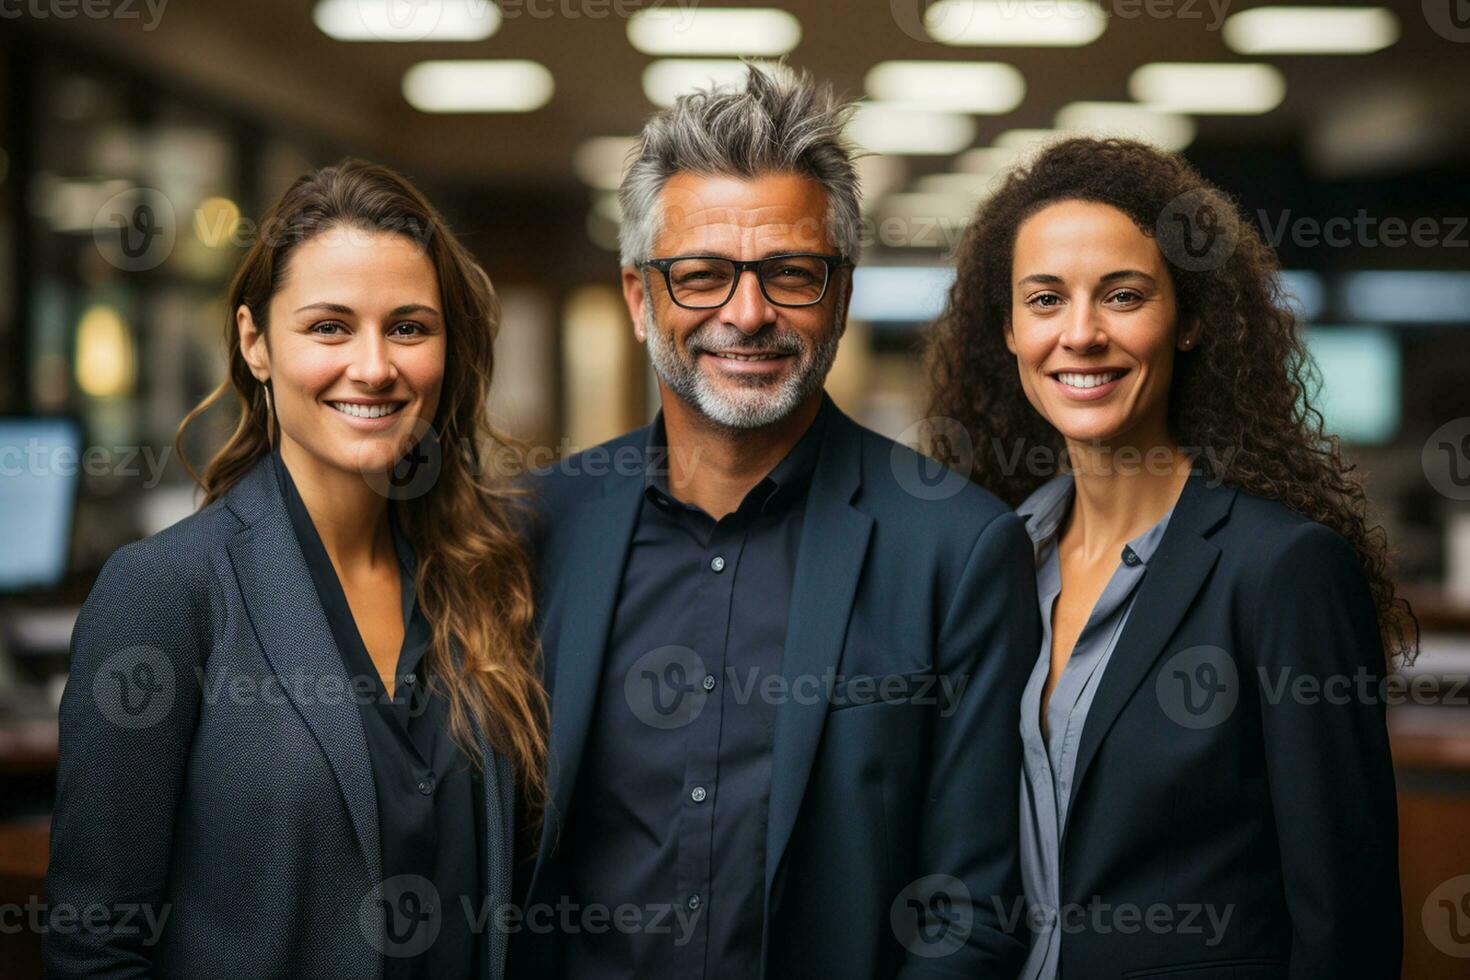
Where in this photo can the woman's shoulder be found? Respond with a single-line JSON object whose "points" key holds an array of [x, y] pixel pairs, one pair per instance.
{"points": [[172, 566]]}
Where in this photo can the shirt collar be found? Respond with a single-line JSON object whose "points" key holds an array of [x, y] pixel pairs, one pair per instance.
{"points": [[1046, 508], [785, 480]]}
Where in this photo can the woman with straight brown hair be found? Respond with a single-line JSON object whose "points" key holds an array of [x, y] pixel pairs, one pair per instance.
{"points": [[297, 721]]}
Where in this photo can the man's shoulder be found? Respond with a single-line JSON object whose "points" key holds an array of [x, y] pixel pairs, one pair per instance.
{"points": [[904, 484], [583, 475]]}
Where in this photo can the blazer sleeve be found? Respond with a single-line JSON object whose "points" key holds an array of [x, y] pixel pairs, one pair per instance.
{"points": [[1327, 757], [127, 717], [968, 831]]}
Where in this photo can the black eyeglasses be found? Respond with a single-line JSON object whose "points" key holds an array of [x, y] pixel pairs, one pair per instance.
{"points": [[706, 282]]}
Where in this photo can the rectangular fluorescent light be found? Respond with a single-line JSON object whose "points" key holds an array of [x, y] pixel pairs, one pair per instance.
{"points": [[882, 127], [1006, 23], [1305, 292], [668, 78], [1407, 297], [1127, 120], [508, 85], [1224, 89], [986, 87], [968, 185], [677, 29], [394, 20], [987, 161], [899, 293], [1360, 369], [1019, 142], [600, 161], [1311, 30]]}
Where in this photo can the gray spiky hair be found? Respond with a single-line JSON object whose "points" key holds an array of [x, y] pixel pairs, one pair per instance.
{"points": [[781, 121]]}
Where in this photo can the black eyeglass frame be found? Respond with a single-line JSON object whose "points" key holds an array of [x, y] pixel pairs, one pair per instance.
{"points": [[832, 263]]}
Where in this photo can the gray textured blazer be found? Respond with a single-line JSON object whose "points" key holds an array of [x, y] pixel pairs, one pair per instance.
{"points": [[215, 810]]}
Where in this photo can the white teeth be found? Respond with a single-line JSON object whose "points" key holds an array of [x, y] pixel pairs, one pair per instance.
{"points": [[366, 411], [1072, 380], [749, 357]]}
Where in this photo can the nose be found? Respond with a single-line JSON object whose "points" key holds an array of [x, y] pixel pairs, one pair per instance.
{"points": [[1082, 331], [371, 364], [748, 309]]}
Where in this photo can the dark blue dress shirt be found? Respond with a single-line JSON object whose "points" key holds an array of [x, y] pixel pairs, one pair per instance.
{"points": [[673, 791], [430, 797]]}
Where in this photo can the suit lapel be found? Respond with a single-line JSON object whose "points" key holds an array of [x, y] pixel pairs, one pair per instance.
{"points": [[834, 545], [602, 532], [1175, 575], [293, 632]]}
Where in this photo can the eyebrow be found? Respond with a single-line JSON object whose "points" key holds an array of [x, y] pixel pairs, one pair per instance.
{"points": [[1047, 279], [406, 309]]}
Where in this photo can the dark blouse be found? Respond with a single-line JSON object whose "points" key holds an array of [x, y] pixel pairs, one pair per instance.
{"points": [[431, 811]]}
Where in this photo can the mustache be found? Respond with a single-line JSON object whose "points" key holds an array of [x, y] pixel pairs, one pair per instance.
{"points": [[709, 340]]}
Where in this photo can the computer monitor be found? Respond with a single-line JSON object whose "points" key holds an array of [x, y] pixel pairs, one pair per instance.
{"points": [[40, 463]]}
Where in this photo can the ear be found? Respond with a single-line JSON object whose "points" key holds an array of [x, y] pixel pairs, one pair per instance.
{"points": [[1010, 336], [1188, 336], [252, 344], [637, 299]]}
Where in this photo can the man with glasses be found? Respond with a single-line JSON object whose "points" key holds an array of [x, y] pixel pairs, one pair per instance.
{"points": [[784, 670]]}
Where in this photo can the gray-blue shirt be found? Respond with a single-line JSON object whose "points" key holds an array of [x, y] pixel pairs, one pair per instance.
{"points": [[1049, 759]]}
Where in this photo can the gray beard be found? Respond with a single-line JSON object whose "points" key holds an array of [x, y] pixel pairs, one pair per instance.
{"points": [[759, 403]]}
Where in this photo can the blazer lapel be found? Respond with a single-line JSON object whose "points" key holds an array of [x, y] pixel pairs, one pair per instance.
{"points": [[834, 545], [603, 532], [293, 632], [1175, 575]]}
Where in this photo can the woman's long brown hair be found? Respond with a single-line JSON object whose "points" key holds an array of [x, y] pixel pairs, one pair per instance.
{"points": [[474, 577], [1246, 385]]}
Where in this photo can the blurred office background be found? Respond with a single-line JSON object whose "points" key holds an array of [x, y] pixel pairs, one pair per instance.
{"points": [[140, 142]]}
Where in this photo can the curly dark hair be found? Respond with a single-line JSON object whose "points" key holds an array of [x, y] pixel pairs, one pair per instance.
{"points": [[1246, 342]]}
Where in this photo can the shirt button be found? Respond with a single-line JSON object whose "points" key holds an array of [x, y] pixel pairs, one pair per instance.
{"points": [[698, 794], [1130, 559], [693, 902], [411, 678], [717, 563], [709, 682], [426, 786]]}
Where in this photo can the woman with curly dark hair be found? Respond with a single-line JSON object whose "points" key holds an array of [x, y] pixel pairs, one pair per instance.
{"points": [[1207, 788]]}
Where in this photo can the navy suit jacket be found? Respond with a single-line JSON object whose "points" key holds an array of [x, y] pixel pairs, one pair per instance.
{"points": [[891, 840], [214, 769], [1234, 772]]}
